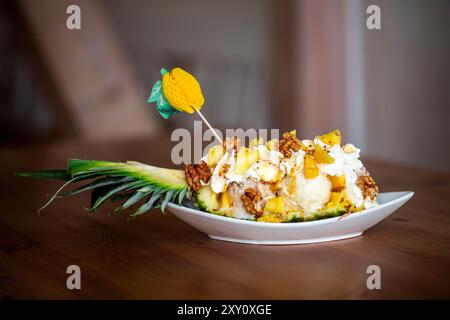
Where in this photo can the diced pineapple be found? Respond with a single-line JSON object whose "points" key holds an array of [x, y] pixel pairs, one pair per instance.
{"points": [[275, 205], [322, 155], [225, 201], [214, 155], [306, 145], [245, 158], [331, 138], [268, 172], [337, 182], [335, 206], [349, 148], [310, 167], [292, 187], [252, 156], [339, 201], [256, 142], [275, 186], [336, 197], [270, 218], [272, 144], [207, 199]]}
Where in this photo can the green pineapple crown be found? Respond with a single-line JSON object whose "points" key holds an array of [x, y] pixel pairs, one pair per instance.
{"points": [[133, 182]]}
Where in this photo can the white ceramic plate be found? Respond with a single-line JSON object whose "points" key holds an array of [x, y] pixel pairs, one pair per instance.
{"points": [[252, 232]]}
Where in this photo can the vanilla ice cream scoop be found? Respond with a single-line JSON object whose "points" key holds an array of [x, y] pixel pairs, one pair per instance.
{"points": [[312, 194]]}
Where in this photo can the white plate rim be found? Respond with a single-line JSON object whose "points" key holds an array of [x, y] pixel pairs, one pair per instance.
{"points": [[405, 197]]}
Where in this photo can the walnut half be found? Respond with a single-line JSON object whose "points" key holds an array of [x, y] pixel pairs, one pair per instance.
{"points": [[249, 199], [289, 143], [368, 186], [196, 172]]}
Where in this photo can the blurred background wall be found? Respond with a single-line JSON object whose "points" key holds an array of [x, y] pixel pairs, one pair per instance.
{"points": [[227, 44], [309, 65], [407, 75]]}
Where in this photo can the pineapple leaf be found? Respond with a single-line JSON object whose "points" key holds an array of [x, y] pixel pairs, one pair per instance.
{"points": [[132, 181], [120, 196], [149, 204], [90, 168], [123, 187], [167, 198], [46, 174], [101, 182], [56, 195], [135, 197], [100, 192], [181, 196]]}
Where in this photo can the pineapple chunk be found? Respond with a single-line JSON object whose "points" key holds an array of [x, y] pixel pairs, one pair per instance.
{"points": [[337, 203], [331, 138], [336, 198], [292, 187], [268, 172], [207, 200], [270, 218], [306, 145], [245, 158], [337, 182], [322, 155], [310, 167], [256, 142], [340, 201], [214, 155], [349, 148], [225, 201], [253, 156], [275, 186], [275, 205], [272, 145]]}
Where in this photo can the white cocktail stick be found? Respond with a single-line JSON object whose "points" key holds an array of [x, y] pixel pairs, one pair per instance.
{"points": [[209, 126]]}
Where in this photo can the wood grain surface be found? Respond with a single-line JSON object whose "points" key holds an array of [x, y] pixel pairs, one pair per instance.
{"points": [[159, 257]]}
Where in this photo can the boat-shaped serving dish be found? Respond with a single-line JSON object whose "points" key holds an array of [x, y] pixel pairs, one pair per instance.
{"points": [[266, 233]]}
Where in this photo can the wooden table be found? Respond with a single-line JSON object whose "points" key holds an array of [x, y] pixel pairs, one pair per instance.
{"points": [[158, 256]]}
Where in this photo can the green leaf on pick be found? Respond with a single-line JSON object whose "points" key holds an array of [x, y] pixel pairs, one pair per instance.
{"points": [[164, 108], [162, 105], [156, 91]]}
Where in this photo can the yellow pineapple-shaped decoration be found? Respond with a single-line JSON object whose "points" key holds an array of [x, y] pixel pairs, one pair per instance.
{"points": [[178, 91], [182, 90]]}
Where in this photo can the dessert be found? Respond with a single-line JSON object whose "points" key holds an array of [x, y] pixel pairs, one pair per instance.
{"points": [[286, 180], [289, 180]]}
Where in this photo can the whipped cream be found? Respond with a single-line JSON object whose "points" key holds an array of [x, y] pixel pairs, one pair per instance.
{"points": [[311, 194], [264, 170], [345, 164], [294, 164], [271, 156], [218, 181]]}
